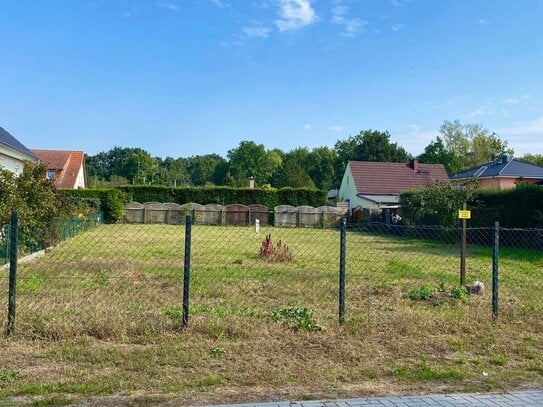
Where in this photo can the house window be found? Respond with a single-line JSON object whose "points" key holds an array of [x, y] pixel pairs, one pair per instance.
{"points": [[50, 174]]}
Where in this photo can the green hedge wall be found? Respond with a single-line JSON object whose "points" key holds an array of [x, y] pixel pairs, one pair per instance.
{"points": [[226, 195], [112, 201], [520, 207]]}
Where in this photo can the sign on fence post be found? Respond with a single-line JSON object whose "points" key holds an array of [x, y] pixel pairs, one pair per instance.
{"points": [[14, 243], [463, 214], [186, 271]]}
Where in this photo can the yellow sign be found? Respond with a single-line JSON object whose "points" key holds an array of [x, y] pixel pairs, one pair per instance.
{"points": [[464, 214]]}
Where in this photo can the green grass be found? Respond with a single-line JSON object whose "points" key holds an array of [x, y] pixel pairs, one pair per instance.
{"points": [[101, 314]]}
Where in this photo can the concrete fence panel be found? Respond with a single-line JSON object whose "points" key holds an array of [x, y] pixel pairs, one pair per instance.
{"points": [[212, 214], [259, 212], [153, 212], [308, 216], [236, 215], [285, 216], [329, 216], [133, 212]]}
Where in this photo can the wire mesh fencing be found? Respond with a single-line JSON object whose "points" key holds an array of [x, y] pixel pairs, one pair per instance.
{"points": [[131, 279], [4, 244], [406, 277]]}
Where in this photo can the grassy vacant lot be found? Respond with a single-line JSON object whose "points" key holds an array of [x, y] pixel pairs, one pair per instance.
{"points": [[99, 315]]}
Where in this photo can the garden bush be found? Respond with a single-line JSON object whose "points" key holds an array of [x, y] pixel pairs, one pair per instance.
{"points": [[269, 197], [111, 201]]}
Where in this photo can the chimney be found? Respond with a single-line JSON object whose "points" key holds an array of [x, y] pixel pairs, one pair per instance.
{"points": [[415, 165], [505, 159], [252, 182]]}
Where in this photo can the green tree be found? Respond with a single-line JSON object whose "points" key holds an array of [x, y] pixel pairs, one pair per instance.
{"points": [[207, 169], [471, 144], [368, 145], [320, 166], [292, 172], [250, 160], [33, 197], [176, 172], [436, 153], [134, 164], [535, 159]]}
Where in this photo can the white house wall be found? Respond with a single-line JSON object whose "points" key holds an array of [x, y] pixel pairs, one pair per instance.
{"points": [[12, 160], [348, 191], [80, 181]]}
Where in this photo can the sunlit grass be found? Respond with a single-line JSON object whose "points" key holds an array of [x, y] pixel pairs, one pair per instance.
{"points": [[101, 314]]}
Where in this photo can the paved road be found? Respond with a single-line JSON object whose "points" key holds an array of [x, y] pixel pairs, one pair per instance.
{"points": [[514, 399]]}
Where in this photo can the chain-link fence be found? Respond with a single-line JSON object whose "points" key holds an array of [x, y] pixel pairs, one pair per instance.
{"points": [[131, 279]]}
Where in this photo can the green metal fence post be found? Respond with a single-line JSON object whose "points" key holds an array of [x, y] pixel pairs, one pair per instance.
{"points": [[14, 243], [186, 271], [495, 269], [342, 250]]}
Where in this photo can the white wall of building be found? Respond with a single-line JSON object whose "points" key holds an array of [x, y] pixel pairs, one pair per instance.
{"points": [[80, 182], [12, 160], [347, 191]]}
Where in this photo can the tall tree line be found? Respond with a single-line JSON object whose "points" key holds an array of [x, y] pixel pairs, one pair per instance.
{"points": [[457, 146]]}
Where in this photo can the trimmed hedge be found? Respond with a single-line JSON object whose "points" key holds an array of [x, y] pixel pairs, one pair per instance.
{"points": [[112, 201], [520, 207], [226, 195]]}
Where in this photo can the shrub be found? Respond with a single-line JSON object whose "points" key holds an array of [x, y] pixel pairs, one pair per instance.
{"points": [[435, 204], [459, 292], [277, 252], [269, 197], [424, 292], [35, 200], [299, 319], [111, 201], [520, 207]]}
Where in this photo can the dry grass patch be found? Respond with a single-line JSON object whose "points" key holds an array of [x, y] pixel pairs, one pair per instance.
{"points": [[100, 315]]}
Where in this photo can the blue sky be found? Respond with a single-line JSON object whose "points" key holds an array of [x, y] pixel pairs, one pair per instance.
{"points": [[186, 77]]}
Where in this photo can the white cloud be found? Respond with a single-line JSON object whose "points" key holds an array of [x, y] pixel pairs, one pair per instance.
{"points": [[257, 31], [337, 128], [516, 100], [415, 139], [132, 10], [525, 137], [351, 26], [295, 14], [397, 27], [262, 4], [307, 126], [220, 3], [399, 3], [482, 21], [483, 110], [167, 5], [524, 129]]}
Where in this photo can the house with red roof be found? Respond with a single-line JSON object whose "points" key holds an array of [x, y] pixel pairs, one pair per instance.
{"points": [[66, 168], [376, 186]]}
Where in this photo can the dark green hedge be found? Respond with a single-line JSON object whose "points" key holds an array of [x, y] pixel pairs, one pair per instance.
{"points": [[112, 201], [520, 207], [227, 195]]}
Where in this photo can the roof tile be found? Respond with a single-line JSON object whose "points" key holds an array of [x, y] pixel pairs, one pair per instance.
{"points": [[378, 178], [66, 163]]}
